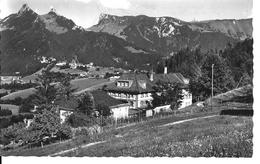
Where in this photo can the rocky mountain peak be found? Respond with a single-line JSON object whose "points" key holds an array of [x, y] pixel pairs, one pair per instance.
{"points": [[53, 12], [25, 9]]}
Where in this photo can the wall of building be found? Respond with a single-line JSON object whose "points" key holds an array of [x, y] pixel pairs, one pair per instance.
{"points": [[187, 99], [137, 101], [64, 114], [120, 112]]}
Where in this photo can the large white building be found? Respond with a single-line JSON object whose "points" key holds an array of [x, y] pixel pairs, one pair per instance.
{"points": [[137, 88]]}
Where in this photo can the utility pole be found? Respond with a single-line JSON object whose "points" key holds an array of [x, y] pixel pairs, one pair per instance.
{"points": [[212, 71]]}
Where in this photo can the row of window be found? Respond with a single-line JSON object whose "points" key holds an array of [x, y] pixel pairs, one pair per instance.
{"points": [[188, 96], [123, 84], [144, 95], [122, 95]]}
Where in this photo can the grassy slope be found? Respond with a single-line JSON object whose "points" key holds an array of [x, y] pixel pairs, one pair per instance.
{"points": [[220, 136], [85, 83], [22, 93], [202, 137]]}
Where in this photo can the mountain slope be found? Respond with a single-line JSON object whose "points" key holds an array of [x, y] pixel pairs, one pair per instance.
{"points": [[167, 35], [28, 37]]}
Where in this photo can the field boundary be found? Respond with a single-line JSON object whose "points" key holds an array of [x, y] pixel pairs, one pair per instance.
{"points": [[187, 120]]}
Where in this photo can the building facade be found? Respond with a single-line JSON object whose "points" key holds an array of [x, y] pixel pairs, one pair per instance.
{"points": [[137, 88], [134, 88]]}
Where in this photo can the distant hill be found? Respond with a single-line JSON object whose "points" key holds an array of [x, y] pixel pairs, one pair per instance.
{"points": [[167, 35], [28, 37]]}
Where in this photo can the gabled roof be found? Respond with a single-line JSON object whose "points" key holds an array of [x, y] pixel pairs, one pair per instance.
{"points": [[136, 80], [102, 98]]}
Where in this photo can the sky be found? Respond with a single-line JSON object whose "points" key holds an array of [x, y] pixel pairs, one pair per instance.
{"points": [[86, 12]]}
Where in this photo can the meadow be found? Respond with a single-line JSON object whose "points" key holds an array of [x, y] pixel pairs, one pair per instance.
{"points": [[199, 134]]}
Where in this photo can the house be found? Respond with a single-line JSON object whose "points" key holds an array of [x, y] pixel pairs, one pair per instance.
{"points": [[137, 88], [66, 107], [177, 78], [133, 87], [119, 109]]}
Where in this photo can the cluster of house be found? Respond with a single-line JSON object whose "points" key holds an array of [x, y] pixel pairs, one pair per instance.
{"points": [[131, 94]]}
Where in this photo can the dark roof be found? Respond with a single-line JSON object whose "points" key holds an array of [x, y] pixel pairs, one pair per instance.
{"points": [[135, 83], [102, 98], [171, 78], [67, 104]]}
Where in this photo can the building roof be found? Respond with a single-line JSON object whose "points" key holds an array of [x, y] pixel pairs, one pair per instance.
{"points": [[135, 86], [171, 78], [102, 98]]}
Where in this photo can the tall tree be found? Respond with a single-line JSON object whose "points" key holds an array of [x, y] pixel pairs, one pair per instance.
{"points": [[167, 93], [222, 78], [86, 104]]}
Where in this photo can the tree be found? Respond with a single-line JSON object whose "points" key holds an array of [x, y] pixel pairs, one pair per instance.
{"points": [[222, 78], [48, 124], [239, 59], [103, 110], [167, 93], [65, 88], [46, 91], [86, 105]]}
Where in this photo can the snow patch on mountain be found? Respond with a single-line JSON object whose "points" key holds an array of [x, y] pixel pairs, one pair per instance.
{"points": [[52, 25], [133, 50], [169, 32]]}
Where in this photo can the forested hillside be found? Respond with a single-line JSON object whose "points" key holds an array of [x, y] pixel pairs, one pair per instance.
{"points": [[233, 67]]}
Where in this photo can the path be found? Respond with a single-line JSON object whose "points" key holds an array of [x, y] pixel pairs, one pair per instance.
{"points": [[75, 148], [95, 143], [192, 119]]}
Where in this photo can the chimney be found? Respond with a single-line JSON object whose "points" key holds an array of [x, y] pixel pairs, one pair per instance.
{"points": [[151, 76], [165, 70]]}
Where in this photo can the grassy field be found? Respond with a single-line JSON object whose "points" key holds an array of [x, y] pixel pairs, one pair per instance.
{"points": [[221, 136], [86, 84], [22, 93], [215, 136], [13, 108]]}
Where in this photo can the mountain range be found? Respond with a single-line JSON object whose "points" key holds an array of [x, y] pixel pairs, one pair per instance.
{"points": [[167, 35], [129, 42]]}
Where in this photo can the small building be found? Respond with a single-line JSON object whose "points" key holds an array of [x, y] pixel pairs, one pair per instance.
{"points": [[119, 109], [9, 79], [66, 107]]}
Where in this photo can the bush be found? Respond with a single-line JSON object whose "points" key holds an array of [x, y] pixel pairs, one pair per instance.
{"points": [[5, 112], [79, 120], [81, 132], [5, 122], [14, 132]]}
